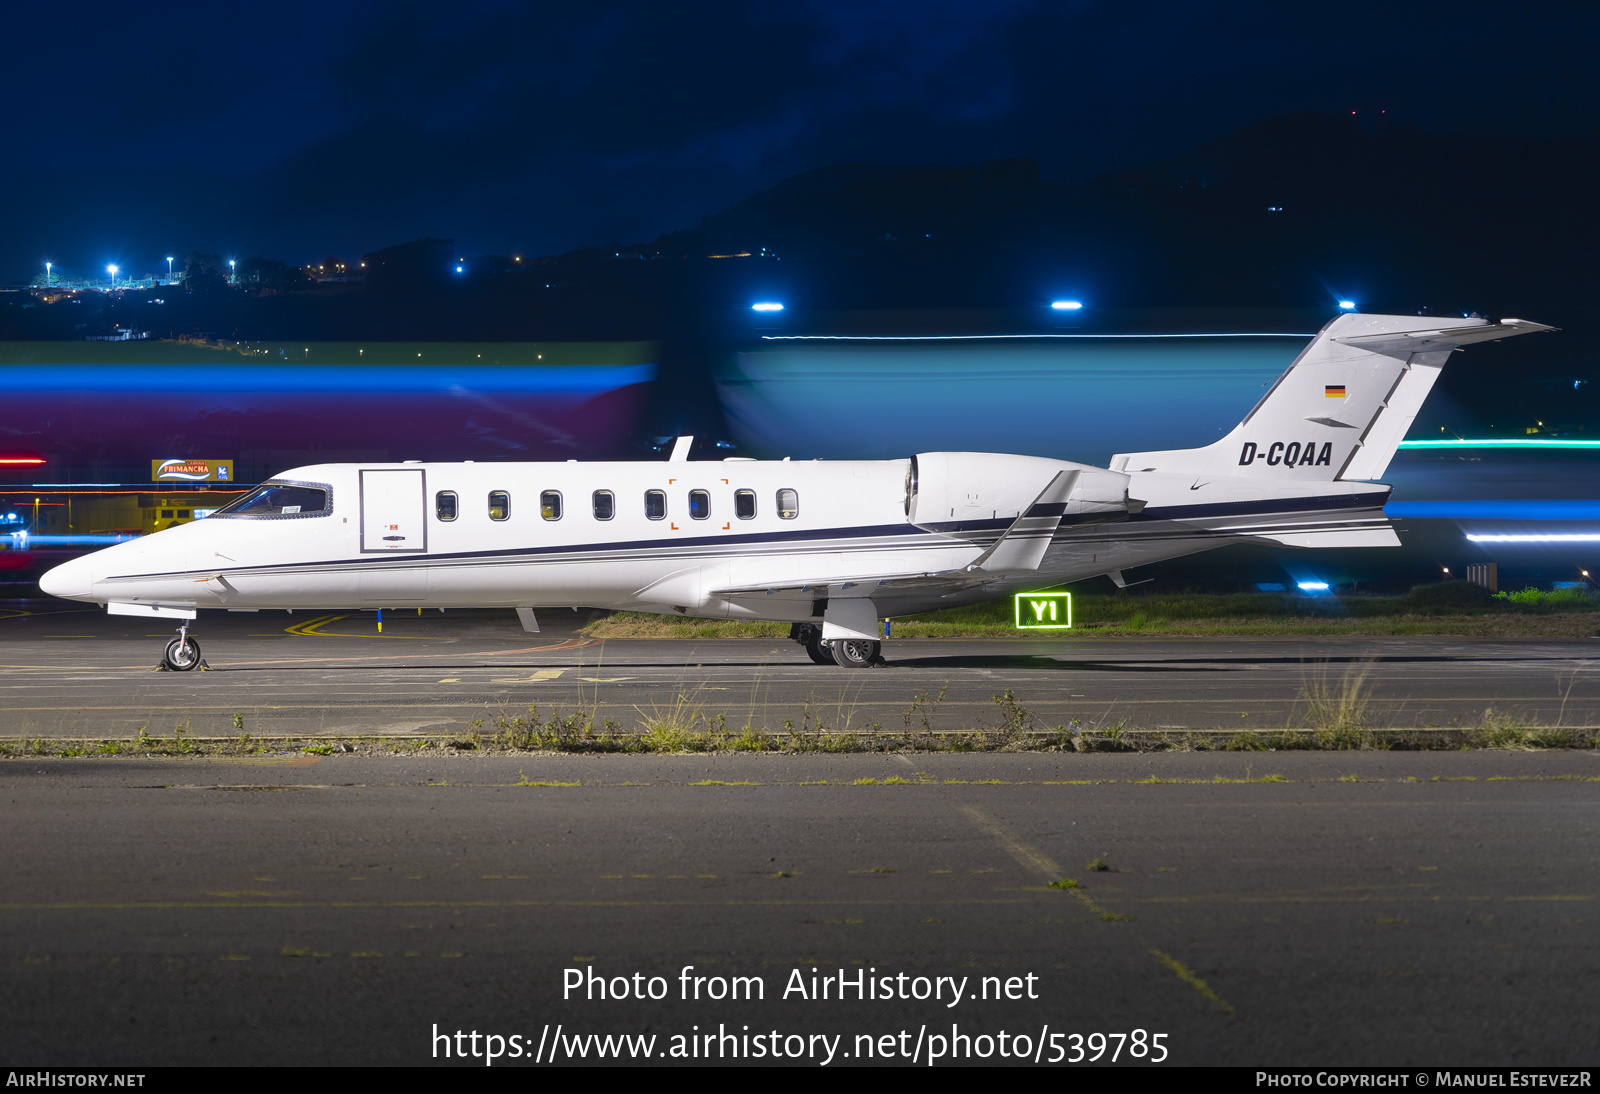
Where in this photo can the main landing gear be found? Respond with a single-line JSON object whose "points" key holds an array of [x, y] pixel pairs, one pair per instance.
{"points": [[850, 653], [183, 653]]}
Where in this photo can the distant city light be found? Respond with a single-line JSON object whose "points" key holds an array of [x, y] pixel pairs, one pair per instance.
{"points": [[1066, 305], [1347, 305], [458, 269], [767, 305], [1313, 586]]}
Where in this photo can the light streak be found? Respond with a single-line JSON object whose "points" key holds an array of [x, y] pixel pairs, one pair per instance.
{"points": [[992, 337], [1497, 442], [1559, 537]]}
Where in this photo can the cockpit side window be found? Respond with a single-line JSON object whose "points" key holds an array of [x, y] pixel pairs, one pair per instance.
{"points": [[281, 500]]}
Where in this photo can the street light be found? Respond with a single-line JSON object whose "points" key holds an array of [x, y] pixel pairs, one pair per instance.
{"points": [[232, 277], [112, 270], [169, 267], [47, 275]]}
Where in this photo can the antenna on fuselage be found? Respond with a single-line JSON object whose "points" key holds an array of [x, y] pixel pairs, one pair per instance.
{"points": [[680, 450]]}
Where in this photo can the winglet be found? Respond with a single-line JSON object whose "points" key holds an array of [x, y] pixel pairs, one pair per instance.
{"points": [[1022, 547]]}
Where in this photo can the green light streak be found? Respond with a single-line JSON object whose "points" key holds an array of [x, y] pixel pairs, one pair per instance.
{"points": [[1501, 443]]}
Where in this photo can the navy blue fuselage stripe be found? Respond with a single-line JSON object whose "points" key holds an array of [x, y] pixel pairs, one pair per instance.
{"points": [[658, 548]]}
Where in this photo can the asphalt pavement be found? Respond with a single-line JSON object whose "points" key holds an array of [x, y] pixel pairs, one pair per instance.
{"points": [[73, 671], [1289, 908]]}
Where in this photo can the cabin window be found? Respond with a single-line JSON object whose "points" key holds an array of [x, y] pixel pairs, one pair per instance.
{"points": [[744, 504], [276, 499], [445, 505], [605, 505], [166, 513], [550, 505], [655, 504], [499, 505], [788, 504], [699, 504], [183, 514]]}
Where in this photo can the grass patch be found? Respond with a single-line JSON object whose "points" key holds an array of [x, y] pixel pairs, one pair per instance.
{"points": [[1333, 713], [1338, 711], [638, 625], [1443, 608]]}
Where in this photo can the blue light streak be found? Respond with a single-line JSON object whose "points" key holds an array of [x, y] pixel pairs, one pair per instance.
{"points": [[995, 337], [1573, 537], [291, 377], [1501, 509]]}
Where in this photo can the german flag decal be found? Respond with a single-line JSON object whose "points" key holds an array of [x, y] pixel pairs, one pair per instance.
{"points": [[1334, 391]]}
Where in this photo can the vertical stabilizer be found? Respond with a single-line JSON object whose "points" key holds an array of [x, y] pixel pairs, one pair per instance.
{"points": [[1342, 408]]}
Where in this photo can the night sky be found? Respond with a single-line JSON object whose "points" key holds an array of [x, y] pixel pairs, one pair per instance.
{"points": [[298, 130]]}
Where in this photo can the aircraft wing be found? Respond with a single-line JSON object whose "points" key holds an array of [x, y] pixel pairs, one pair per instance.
{"points": [[1018, 551]]}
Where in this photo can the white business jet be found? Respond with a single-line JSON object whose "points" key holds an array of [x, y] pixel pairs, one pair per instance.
{"points": [[830, 547]]}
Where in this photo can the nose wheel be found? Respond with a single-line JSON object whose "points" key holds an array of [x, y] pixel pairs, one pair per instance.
{"points": [[183, 653]]}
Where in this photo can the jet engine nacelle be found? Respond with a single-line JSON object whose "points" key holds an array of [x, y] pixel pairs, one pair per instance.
{"points": [[946, 487]]}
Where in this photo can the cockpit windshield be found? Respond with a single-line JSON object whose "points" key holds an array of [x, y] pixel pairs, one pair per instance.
{"points": [[280, 499]]}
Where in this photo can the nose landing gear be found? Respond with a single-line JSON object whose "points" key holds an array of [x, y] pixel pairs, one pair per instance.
{"points": [[183, 653]]}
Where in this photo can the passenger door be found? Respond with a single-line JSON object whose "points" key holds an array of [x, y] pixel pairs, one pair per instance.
{"points": [[394, 515]]}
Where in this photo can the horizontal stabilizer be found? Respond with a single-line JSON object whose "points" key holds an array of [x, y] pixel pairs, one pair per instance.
{"points": [[1406, 342]]}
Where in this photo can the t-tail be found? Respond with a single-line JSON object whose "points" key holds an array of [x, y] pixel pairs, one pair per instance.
{"points": [[1303, 461]]}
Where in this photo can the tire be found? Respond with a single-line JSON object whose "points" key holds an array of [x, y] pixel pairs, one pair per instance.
{"points": [[854, 653], [819, 651], [182, 654]]}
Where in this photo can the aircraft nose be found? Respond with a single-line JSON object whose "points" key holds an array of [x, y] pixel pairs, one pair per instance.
{"points": [[70, 579]]}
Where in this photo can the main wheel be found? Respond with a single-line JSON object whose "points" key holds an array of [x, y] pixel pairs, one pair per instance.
{"points": [[819, 651], [182, 654], [854, 653]]}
